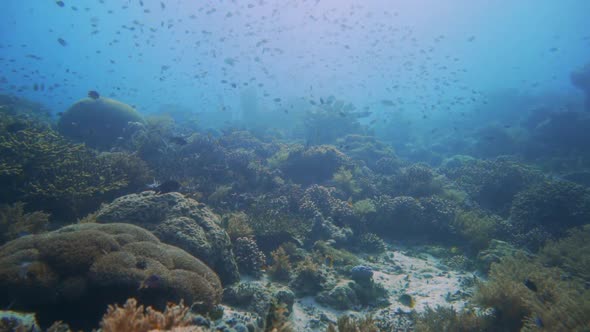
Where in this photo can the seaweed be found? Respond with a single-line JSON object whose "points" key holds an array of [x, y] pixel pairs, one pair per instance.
{"points": [[14, 222], [447, 319], [346, 323], [281, 268], [569, 253], [526, 295]]}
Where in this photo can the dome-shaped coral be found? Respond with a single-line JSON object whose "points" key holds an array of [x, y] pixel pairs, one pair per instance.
{"points": [[71, 274], [98, 122]]}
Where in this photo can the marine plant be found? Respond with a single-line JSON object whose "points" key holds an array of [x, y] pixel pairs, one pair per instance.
{"points": [[528, 296], [38, 165], [346, 323], [447, 319], [569, 253], [133, 318], [237, 225], [337, 258], [308, 277], [476, 227], [344, 180], [14, 222], [280, 269], [278, 320]]}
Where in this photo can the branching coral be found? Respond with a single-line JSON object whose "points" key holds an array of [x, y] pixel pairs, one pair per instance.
{"points": [[15, 222], [133, 318]]}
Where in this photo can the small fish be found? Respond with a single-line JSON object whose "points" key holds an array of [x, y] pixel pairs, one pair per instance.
{"points": [[168, 186], [93, 94], [62, 42], [152, 281], [539, 322], [60, 3], [407, 300], [530, 284]]}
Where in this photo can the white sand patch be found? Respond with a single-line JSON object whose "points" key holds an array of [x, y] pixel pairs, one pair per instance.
{"points": [[424, 278]]}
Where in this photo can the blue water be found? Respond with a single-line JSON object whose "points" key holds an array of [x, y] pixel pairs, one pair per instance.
{"points": [[216, 56]]}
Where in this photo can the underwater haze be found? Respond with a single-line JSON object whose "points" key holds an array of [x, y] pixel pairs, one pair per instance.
{"points": [[294, 165]]}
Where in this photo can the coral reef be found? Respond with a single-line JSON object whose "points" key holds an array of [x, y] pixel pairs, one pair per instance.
{"points": [[554, 206], [178, 221], [98, 122], [492, 184], [314, 165], [14, 222], [399, 216], [71, 274], [249, 258], [18, 322]]}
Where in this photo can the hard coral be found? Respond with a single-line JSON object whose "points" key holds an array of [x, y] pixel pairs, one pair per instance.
{"points": [[492, 184], [72, 273], [98, 122], [178, 221], [248, 256], [554, 206], [316, 164]]}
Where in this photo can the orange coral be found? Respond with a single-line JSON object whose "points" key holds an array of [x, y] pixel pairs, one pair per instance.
{"points": [[131, 318]]}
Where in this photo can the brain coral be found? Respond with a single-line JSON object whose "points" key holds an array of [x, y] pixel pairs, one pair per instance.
{"points": [[71, 274], [178, 221], [98, 122]]}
